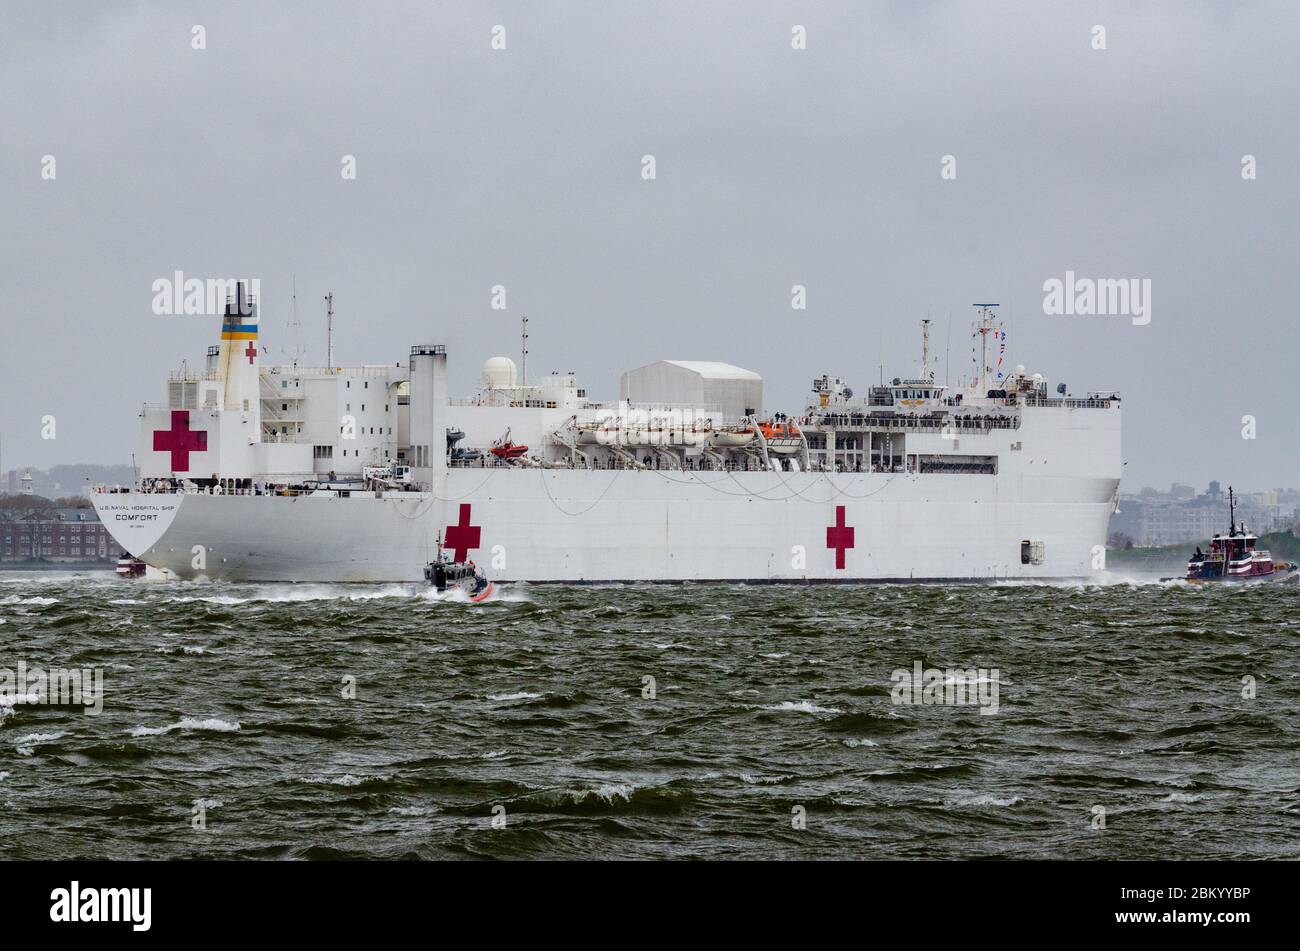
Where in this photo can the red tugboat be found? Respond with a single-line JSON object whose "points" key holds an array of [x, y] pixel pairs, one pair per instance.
{"points": [[1234, 557], [129, 567]]}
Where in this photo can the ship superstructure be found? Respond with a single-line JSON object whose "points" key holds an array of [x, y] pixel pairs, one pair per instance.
{"points": [[282, 472]]}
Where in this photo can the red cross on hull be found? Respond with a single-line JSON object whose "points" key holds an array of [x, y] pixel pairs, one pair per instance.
{"points": [[180, 440], [463, 536], [839, 536], [250, 351]]}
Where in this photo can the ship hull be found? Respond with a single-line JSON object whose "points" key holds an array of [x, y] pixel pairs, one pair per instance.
{"points": [[565, 525]]}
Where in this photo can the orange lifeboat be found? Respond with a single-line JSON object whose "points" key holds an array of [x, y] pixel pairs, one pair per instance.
{"points": [[503, 448], [781, 435]]}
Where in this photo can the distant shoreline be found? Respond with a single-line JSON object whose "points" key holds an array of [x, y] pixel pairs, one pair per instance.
{"points": [[58, 566]]}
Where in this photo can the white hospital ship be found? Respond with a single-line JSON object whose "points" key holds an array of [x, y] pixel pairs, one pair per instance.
{"points": [[289, 473]]}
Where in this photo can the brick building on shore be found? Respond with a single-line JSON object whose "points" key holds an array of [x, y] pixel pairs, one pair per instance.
{"points": [[54, 535]]}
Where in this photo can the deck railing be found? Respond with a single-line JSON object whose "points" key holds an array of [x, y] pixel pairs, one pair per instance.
{"points": [[953, 423]]}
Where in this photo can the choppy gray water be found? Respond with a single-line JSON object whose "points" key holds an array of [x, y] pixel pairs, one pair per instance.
{"points": [[770, 703]]}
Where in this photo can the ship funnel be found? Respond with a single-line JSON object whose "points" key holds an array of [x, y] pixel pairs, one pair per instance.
{"points": [[237, 358]]}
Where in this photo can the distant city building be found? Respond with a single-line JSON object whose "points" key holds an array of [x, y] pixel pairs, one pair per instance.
{"points": [[66, 480], [1152, 518], [58, 535]]}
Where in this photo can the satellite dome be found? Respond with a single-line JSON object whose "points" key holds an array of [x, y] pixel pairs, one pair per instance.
{"points": [[499, 372], [1020, 369]]}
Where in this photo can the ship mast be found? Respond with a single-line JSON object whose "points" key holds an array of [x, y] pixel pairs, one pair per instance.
{"points": [[329, 330], [523, 345], [293, 329], [926, 373], [1232, 512], [984, 326]]}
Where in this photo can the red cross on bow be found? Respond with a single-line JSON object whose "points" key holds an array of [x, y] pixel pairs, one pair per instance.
{"points": [[839, 536], [463, 536], [250, 351], [180, 441]]}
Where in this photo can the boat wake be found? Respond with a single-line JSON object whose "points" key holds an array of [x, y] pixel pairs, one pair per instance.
{"points": [[286, 594], [499, 595]]}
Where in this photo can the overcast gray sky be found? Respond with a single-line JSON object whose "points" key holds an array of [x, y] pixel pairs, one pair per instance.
{"points": [[775, 167]]}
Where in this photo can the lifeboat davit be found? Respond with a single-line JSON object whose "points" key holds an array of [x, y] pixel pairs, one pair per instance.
{"points": [[697, 434]]}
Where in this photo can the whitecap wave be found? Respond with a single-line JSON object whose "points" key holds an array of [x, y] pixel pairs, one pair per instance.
{"points": [[985, 801], [347, 779], [290, 594], [607, 792], [8, 702], [187, 723], [801, 706], [39, 739]]}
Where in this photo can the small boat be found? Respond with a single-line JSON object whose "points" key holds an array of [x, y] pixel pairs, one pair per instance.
{"points": [[1234, 559], [733, 437], [465, 576], [129, 567], [638, 434], [781, 435], [458, 455], [504, 448]]}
